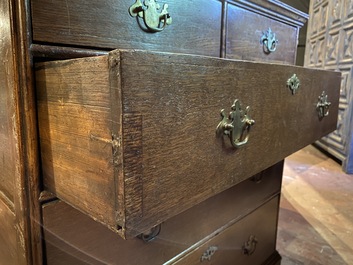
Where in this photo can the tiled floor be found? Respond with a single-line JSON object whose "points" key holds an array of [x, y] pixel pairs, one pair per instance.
{"points": [[316, 216]]}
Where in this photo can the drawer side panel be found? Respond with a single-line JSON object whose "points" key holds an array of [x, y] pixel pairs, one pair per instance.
{"points": [[74, 120]]}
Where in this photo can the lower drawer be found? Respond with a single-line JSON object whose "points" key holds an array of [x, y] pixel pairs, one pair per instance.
{"points": [[73, 238], [252, 240]]}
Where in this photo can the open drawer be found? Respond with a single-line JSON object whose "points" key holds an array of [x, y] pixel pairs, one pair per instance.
{"points": [[133, 138]]}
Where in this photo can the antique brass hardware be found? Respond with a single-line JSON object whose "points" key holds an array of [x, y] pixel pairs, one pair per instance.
{"points": [[207, 255], [249, 246], [154, 17], [293, 83], [236, 125], [323, 105], [151, 234], [269, 41]]}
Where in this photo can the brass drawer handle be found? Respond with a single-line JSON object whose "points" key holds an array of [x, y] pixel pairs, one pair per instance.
{"points": [[249, 246], [323, 106], [269, 41], [154, 18], [207, 255], [293, 83], [236, 125]]}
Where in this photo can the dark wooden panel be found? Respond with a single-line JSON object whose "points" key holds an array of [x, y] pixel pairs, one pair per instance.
{"points": [[107, 24], [244, 31], [170, 109], [230, 242], [8, 240], [73, 238]]}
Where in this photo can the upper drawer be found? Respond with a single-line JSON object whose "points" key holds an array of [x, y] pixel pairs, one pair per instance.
{"points": [[141, 126], [195, 27], [253, 36]]}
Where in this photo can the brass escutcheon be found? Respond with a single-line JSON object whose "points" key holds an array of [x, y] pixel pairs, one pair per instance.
{"points": [[236, 125], [269, 41], [154, 17], [323, 106]]}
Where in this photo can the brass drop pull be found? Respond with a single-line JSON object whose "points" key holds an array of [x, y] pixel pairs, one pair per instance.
{"points": [[207, 255], [236, 125], [249, 246], [293, 83], [323, 106], [269, 41], [154, 17]]}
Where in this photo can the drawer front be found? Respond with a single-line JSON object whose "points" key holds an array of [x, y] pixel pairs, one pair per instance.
{"points": [[73, 238], [165, 109], [248, 33], [249, 241], [195, 27]]}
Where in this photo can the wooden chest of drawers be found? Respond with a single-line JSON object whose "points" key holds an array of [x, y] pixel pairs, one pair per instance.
{"points": [[114, 129], [128, 140]]}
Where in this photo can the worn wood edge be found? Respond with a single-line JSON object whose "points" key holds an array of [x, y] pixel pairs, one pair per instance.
{"points": [[220, 230], [46, 196], [274, 259], [61, 52], [200, 60], [288, 15], [7, 201], [27, 209], [116, 128]]}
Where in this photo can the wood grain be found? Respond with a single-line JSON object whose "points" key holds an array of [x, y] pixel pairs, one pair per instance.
{"points": [[107, 24], [8, 239], [73, 238], [8, 137], [170, 108], [181, 111], [14, 229], [76, 150]]}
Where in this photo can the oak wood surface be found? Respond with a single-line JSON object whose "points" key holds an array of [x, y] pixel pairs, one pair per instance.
{"points": [[107, 24], [8, 137], [170, 106], [8, 239], [14, 232], [230, 242], [72, 147], [251, 27], [73, 238], [28, 212]]}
